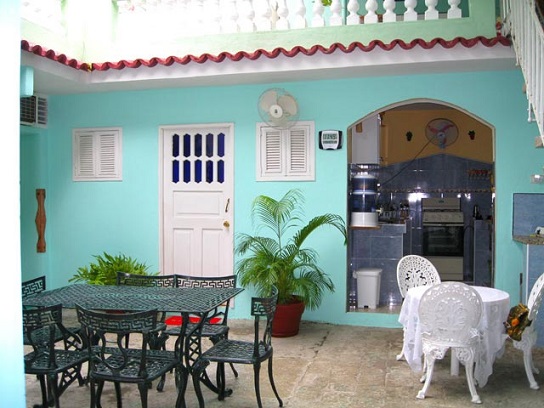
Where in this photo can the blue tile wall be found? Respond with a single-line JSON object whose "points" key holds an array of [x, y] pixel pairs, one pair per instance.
{"points": [[378, 248], [528, 213]]}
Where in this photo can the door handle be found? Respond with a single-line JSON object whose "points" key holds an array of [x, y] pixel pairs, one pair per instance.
{"points": [[227, 205], [226, 224]]}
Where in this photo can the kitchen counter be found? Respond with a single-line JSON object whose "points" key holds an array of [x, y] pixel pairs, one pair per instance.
{"points": [[387, 226], [530, 239]]}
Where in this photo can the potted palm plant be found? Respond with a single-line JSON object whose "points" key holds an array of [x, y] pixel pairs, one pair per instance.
{"points": [[281, 259]]}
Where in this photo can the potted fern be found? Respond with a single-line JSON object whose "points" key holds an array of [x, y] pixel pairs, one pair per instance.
{"points": [[281, 259], [104, 270]]}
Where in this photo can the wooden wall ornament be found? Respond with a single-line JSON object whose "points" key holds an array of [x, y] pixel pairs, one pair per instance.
{"points": [[40, 219]]}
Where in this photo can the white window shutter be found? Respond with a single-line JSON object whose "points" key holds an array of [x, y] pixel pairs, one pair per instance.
{"points": [[97, 154], [298, 151], [85, 156], [285, 154], [107, 160], [272, 154]]}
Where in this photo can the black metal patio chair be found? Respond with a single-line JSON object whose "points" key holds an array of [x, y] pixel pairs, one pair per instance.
{"points": [[114, 362], [55, 367], [156, 281], [33, 287], [215, 327], [242, 352]]}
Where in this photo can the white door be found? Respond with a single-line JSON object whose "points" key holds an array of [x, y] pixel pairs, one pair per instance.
{"points": [[197, 199]]}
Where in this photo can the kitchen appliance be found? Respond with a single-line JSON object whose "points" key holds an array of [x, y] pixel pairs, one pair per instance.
{"points": [[443, 236], [363, 198]]}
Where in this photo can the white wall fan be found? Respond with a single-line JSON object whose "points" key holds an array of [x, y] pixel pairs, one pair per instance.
{"points": [[278, 108]]}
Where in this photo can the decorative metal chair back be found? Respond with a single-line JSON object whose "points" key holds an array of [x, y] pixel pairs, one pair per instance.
{"points": [[41, 328], [450, 312], [415, 270], [220, 314], [186, 281], [99, 326], [33, 286], [449, 315], [162, 281], [535, 298], [115, 361], [264, 308]]}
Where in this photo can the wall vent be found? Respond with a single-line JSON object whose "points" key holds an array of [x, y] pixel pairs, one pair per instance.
{"points": [[34, 111]]}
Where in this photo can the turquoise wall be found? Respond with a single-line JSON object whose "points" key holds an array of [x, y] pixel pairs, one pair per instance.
{"points": [[87, 218]]}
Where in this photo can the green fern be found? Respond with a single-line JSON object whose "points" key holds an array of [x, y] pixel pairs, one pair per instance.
{"points": [[104, 270]]}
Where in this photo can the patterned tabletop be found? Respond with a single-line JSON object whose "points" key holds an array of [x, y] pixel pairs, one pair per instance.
{"points": [[184, 300]]}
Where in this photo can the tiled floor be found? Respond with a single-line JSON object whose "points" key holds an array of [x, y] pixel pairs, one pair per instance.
{"points": [[339, 367]]}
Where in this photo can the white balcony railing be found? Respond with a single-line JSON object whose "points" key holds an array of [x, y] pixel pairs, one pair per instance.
{"points": [[131, 29], [187, 17], [522, 23]]}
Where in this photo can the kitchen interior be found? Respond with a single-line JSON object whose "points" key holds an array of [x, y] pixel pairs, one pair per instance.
{"points": [[420, 181]]}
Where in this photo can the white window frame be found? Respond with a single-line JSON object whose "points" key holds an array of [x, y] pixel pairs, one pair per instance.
{"points": [[97, 154], [285, 154]]}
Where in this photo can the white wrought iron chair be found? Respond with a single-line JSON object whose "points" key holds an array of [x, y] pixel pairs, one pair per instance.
{"points": [[530, 334], [449, 314], [413, 271]]}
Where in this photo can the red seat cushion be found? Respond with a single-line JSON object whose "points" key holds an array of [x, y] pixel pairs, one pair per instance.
{"points": [[176, 320]]}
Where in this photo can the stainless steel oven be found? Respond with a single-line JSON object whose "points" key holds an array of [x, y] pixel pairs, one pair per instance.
{"points": [[443, 236]]}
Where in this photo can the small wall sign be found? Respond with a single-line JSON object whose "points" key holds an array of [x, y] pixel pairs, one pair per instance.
{"points": [[330, 139]]}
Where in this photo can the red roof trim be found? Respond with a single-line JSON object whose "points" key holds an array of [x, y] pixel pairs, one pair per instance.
{"points": [[63, 59]]}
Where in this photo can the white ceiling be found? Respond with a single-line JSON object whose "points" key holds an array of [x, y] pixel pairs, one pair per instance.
{"points": [[53, 78]]}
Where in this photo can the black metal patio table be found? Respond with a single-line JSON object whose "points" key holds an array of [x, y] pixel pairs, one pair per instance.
{"points": [[186, 301]]}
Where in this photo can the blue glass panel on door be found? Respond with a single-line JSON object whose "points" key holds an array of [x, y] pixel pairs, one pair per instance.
{"points": [[209, 171], [186, 145], [186, 171], [221, 171], [209, 145], [198, 171], [175, 145], [175, 171], [221, 144], [198, 145]]}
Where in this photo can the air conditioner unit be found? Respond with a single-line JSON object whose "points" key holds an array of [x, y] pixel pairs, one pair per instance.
{"points": [[34, 111]]}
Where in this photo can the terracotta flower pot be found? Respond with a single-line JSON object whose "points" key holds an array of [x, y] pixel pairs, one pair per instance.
{"points": [[287, 319]]}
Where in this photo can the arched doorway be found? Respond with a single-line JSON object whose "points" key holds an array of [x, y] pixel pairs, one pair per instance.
{"points": [[428, 152]]}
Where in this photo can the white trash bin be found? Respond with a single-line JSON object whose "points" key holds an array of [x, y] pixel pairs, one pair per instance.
{"points": [[368, 287]]}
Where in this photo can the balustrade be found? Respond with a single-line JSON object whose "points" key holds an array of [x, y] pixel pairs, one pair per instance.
{"points": [[201, 17], [522, 21]]}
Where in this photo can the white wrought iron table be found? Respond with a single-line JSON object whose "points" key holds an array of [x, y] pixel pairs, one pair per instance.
{"points": [[496, 305]]}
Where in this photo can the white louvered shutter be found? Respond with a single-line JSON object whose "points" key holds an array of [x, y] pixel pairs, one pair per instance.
{"points": [[272, 153], [97, 154], [298, 151], [285, 154]]}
